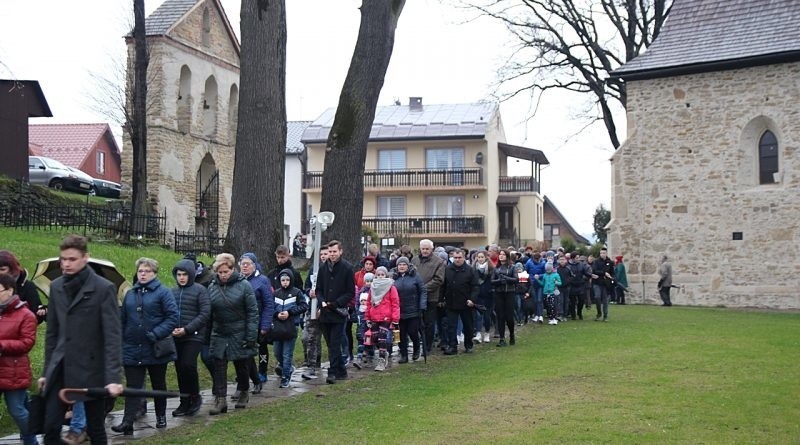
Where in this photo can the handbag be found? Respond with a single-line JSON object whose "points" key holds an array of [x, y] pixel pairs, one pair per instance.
{"points": [[36, 405], [282, 330], [164, 347]]}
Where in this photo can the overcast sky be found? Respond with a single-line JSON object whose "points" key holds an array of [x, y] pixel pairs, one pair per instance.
{"points": [[439, 54]]}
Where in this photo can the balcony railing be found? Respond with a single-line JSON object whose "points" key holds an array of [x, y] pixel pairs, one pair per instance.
{"points": [[518, 184], [425, 224], [409, 178]]}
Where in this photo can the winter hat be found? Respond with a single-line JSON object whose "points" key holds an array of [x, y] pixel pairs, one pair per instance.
{"points": [[250, 256], [519, 266], [383, 269], [619, 258], [371, 259], [369, 276], [402, 260], [286, 272], [548, 267], [442, 254]]}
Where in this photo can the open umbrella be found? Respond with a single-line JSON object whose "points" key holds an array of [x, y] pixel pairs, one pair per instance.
{"points": [[50, 269]]}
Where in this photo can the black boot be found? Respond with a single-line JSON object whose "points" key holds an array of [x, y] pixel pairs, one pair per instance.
{"points": [[403, 359], [512, 339], [161, 420], [182, 408], [195, 402], [126, 428]]}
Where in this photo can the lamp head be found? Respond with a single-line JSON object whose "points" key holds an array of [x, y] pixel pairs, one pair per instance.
{"points": [[326, 218]]}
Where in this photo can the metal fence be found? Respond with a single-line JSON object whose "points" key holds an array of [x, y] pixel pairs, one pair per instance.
{"points": [[197, 243], [109, 222]]}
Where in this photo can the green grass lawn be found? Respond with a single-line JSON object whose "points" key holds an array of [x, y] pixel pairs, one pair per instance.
{"points": [[651, 375]]}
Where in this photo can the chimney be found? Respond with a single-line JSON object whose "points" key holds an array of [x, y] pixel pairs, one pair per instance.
{"points": [[415, 103]]}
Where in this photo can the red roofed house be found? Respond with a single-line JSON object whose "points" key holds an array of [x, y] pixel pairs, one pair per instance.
{"points": [[87, 147]]}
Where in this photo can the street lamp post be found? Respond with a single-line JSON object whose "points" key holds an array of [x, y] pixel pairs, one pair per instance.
{"points": [[320, 223]]}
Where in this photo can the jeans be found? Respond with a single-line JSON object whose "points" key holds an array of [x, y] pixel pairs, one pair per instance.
{"points": [[518, 308], [134, 377], [334, 334], [78, 422], [17, 402], [284, 353], [601, 300]]}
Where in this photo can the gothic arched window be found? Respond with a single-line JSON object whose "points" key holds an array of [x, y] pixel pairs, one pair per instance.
{"points": [[767, 158]]}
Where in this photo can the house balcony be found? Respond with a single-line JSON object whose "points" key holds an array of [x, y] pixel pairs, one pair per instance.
{"points": [[427, 226], [410, 179], [516, 184]]}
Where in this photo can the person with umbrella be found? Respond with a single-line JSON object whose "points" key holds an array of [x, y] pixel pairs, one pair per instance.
{"points": [[25, 289], [83, 346], [17, 336], [148, 314]]}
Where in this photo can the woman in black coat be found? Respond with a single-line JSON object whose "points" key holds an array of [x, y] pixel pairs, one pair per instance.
{"points": [[504, 283], [413, 301]]}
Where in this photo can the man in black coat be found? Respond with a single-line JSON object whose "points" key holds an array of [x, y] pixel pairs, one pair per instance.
{"points": [[335, 289], [602, 274], [83, 345], [458, 296]]}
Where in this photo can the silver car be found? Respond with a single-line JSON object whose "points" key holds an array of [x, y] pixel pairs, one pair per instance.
{"points": [[51, 173]]}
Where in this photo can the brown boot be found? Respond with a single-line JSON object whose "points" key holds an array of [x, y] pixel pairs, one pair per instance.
{"points": [[244, 397], [220, 406]]}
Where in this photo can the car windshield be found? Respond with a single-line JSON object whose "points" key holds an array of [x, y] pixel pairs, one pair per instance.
{"points": [[54, 164]]}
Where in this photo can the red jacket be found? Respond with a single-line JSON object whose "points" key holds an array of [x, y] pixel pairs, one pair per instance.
{"points": [[388, 310], [17, 336]]}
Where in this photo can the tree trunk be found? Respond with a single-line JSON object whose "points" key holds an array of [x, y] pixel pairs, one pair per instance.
{"points": [[138, 123], [346, 151], [256, 223]]}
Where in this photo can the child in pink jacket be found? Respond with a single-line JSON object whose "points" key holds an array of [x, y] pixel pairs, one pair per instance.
{"points": [[383, 314]]}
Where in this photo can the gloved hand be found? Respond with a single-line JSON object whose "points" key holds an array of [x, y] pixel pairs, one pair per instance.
{"points": [[151, 336]]}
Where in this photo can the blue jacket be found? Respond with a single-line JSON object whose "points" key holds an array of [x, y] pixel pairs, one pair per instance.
{"points": [[292, 301], [412, 293], [535, 268], [262, 287], [148, 313]]}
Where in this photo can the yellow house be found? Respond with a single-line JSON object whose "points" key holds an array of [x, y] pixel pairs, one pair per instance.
{"points": [[439, 172]]}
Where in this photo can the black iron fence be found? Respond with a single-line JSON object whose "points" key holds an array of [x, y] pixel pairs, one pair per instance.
{"points": [[409, 178], [426, 224], [198, 243], [110, 222]]}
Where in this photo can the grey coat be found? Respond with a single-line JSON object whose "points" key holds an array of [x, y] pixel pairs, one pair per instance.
{"points": [[234, 319], [84, 335]]}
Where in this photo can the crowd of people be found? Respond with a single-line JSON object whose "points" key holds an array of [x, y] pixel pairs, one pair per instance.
{"points": [[402, 306]]}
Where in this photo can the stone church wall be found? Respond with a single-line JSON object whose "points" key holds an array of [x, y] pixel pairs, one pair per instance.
{"points": [[686, 180]]}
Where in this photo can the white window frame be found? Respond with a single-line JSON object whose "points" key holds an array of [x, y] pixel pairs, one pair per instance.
{"points": [[452, 203], [101, 163], [452, 161], [397, 159], [386, 204]]}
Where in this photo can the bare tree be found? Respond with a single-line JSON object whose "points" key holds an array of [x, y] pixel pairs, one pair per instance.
{"points": [[573, 45], [256, 222], [346, 151], [137, 127]]}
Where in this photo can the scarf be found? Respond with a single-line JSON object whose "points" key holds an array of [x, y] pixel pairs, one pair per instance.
{"points": [[482, 269], [74, 283], [380, 287]]}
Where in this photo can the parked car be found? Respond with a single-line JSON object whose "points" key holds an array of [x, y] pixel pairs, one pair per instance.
{"points": [[106, 189], [51, 173]]}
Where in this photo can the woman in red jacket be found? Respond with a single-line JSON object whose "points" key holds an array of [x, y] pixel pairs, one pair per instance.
{"points": [[17, 336], [383, 314]]}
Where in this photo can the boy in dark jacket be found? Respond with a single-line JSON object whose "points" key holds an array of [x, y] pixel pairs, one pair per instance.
{"points": [[290, 305]]}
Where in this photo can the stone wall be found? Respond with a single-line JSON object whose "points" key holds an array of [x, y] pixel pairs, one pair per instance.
{"points": [[176, 155], [686, 179]]}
